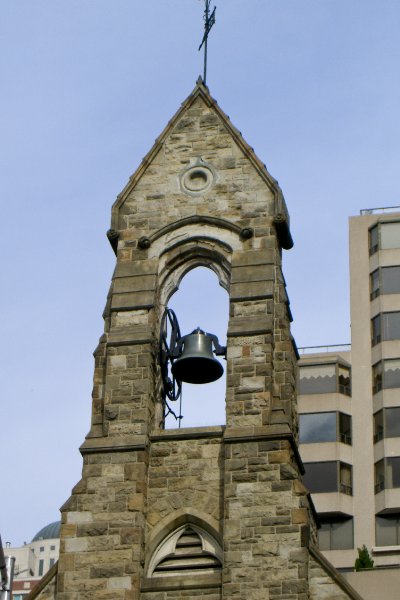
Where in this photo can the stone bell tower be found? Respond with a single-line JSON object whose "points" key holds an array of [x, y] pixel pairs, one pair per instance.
{"points": [[212, 512]]}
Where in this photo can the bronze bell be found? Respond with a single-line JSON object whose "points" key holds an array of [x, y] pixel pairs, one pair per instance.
{"points": [[196, 362]]}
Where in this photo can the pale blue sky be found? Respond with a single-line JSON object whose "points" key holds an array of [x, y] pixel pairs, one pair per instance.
{"points": [[86, 87]]}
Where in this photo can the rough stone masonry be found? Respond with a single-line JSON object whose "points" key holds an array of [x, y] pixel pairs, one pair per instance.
{"points": [[204, 513]]}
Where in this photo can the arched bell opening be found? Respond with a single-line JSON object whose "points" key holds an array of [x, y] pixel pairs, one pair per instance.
{"points": [[200, 302]]}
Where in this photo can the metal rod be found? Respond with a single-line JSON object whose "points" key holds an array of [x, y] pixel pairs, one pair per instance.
{"points": [[209, 21], [3, 566], [6, 591], [205, 62]]}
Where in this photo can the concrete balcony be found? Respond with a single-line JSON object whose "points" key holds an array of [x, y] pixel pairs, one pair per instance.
{"points": [[334, 502], [327, 451], [386, 447], [315, 403], [386, 501]]}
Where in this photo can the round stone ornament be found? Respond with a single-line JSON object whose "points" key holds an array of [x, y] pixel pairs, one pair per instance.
{"points": [[197, 179]]}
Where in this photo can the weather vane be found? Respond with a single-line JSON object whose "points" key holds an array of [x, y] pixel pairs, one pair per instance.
{"points": [[209, 20]]}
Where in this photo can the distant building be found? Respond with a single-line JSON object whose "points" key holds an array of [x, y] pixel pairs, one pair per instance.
{"points": [[349, 406], [34, 559]]}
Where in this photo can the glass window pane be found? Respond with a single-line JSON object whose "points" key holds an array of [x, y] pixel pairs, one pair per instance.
{"points": [[346, 479], [379, 476], [336, 534], [378, 426], [373, 239], [393, 472], [390, 280], [387, 530], [318, 379], [374, 284], [345, 428], [376, 330], [391, 326], [390, 235], [342, 535], [321, 477], [318, 427], [344, 380], [391, 377], [392, 422], [377, 377]]}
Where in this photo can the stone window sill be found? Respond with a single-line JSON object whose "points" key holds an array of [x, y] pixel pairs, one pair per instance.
{"points": [[181, 582]]}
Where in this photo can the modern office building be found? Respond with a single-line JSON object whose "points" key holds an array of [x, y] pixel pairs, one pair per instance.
{"points": [[349, 405], [34, 559]]}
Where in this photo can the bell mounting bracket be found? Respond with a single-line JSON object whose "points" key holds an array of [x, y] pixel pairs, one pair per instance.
{"points": [[170, 335]]}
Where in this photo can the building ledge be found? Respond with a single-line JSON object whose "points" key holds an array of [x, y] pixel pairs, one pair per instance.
{"points": [[386, 549], [188, 433], [182, 582]]}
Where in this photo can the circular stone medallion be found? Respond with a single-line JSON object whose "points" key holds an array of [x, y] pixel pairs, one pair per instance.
{"points": [[197, 179]]}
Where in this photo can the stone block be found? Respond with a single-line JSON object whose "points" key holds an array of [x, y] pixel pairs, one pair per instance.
{"points": [[76, 545]]}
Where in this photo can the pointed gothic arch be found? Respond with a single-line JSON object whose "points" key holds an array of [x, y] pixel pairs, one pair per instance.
{"points": [[184, 533], [188, 549]]}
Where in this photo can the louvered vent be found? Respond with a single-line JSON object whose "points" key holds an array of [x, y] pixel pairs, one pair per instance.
{"points": [[188, 554]]}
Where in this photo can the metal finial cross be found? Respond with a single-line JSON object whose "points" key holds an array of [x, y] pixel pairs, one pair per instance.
{"points": [[209, 20]]}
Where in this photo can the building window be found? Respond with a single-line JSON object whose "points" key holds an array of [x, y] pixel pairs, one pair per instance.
{"points": [[325, 427], [336, 534], [377, 377], [387, 473], [392, 422], [385, 280], [374, 283], [387, 423], [389, 235], [387, 530], [41, 549], [52, 547], [41, 567], [376, 330], [324, 379], [386, 327], [51, 563], [326, 477], [373, 240], [345, 428], [390, 280], [391, 326], [386, 374], [384, 236], [378, 426], [344, 380]]}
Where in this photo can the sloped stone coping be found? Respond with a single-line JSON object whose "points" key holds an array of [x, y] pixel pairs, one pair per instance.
{"points": [[334, 574]]}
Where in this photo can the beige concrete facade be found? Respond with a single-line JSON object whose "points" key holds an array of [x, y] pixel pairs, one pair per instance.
{"points": [[365, 502], [32, 561], [213, 512]]}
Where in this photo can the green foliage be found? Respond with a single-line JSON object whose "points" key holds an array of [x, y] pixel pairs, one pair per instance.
{"points": [[364, 560]]}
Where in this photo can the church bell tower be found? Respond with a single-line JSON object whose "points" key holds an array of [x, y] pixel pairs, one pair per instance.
{"points": [[201, 513]]}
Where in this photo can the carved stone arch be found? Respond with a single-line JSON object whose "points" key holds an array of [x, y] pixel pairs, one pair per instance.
{"points": [[163, 541], [195, 222], [178, 260], [191, 242]]}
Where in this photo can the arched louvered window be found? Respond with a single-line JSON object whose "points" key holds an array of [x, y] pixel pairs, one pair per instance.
{"points": [[187, 549]]}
